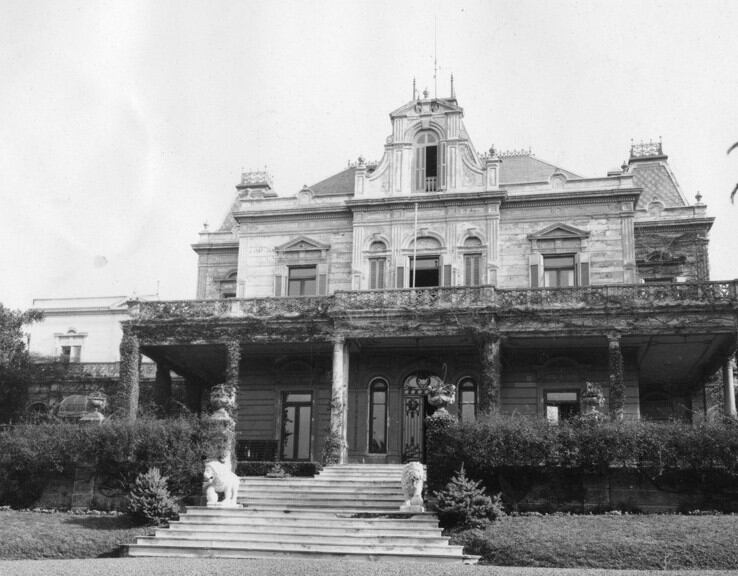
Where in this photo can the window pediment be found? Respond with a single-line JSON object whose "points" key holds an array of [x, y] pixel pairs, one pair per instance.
{"points": [[559, 230], [302, 244]]}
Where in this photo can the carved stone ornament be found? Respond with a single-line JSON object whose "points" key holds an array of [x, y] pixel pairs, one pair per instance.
{"points": [[413, 479], [218, 479], [222, 401]]}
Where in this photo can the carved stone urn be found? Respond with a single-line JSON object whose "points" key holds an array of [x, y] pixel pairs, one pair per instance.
{"points": [[592, 401], [222, 401]]}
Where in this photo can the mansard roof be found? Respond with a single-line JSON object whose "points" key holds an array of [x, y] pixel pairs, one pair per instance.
{"points": [[520, 167], [340, 183]]}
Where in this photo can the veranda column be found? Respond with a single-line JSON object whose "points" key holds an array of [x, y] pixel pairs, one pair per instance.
{"points": [[729, 388], [617, 382], [130, 363], [491, 377], [162, 384], [232, 375], [338, 399]]}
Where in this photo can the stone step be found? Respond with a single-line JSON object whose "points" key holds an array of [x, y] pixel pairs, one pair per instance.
{"points": [[179, 552], [319, 482], [369, 508], [332, 548], [305, 536], [296, 494], [333, 528], [311, 518]]}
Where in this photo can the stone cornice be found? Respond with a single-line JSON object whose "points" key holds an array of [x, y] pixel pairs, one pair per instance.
{"points": [[574, 197], [675, 225], [214, 247], [301, 213], [442, 198]]}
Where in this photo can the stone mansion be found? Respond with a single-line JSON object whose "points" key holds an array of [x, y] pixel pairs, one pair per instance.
{"points": [[505, 281]]}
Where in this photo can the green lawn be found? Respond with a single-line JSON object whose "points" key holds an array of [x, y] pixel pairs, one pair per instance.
{"points": [[616, 542], [623, 542], [34, 535]]}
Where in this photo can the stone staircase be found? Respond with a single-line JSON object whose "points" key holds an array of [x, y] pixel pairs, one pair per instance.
{"points": [[349, 511]]}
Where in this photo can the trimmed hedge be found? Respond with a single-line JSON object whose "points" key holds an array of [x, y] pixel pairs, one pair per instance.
{"points": [[256, 468], [32, 455], [512, 454]]}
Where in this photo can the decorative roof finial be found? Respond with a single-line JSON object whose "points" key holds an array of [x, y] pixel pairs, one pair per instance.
{"points": [[425, 93], [453, 94], [415, 90], [698, 197], [205, 226]]}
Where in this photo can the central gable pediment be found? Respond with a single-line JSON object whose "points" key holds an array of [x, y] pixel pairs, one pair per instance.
{"points": [[302, 244], [427, 106], [559, 230]]}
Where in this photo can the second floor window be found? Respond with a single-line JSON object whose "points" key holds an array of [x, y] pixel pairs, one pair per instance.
{"points": [[472, 271], [302, 281], [70, 354], [426, 163], [558, 271], [376, 273]]}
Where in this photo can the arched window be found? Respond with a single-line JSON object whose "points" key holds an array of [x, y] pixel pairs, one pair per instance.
{"points": [[377, 265], [472, 261], [428, 163], [228, 285], [467, 400], [378, 416]]}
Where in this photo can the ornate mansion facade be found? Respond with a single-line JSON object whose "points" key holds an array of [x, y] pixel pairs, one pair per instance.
{"points": [[341, 308]]}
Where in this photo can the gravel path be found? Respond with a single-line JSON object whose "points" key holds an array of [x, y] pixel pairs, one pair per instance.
{"points": [[286, 567]]}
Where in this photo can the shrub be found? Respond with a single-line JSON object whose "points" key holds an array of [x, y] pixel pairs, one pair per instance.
{"points": [[510, 453], [32, 455], [150, 501], [465, 503]]}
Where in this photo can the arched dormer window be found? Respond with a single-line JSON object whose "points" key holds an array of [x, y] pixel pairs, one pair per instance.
{"points": [[428, 163]]}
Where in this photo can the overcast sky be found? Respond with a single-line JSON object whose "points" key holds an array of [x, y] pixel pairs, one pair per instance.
{"points": [[125, 125]]}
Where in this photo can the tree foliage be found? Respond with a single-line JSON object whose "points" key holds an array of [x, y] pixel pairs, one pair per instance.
{"points": [[16, 369]]}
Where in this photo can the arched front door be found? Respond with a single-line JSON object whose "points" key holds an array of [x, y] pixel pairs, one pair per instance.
{"points": [[415, 408]]}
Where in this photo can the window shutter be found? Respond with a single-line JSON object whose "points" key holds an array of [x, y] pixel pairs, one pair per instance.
{"points": [[322, 284], [582, 261], [400, 277], [277, 285], [536, 270], [380, 273], [419, 168], [447, 275], [442, 165]]}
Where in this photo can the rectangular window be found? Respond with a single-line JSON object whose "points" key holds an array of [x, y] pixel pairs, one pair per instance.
{"points": [[376, 273], [558, 271], [561, 405], [70, 354], [302, 281], [472, 271]]}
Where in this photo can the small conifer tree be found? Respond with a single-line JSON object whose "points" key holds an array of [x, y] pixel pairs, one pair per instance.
{"points": [[463, 502], [149, 500]]}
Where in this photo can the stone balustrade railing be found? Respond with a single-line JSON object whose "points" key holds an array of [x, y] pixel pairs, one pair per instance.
{"points": [[624, 296]]}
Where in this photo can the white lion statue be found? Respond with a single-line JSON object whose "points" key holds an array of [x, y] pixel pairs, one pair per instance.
{"points": [[413, 478], [218, 478]]}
